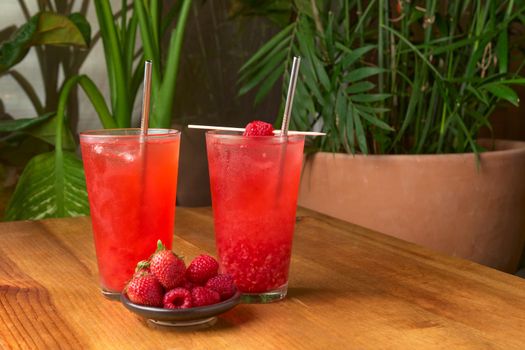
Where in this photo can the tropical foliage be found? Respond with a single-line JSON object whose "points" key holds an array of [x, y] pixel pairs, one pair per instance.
{"points": [[52, 184], [398, 76]]}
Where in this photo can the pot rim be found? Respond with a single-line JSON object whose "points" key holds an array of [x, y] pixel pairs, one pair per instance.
{"points": [[503, 147]]}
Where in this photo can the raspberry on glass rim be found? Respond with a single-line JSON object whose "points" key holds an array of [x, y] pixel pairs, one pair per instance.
{"points": [[258, 128]]}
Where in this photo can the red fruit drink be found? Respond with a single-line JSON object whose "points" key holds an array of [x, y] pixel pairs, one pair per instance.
{"points": [[132, 189], [254, 186]]}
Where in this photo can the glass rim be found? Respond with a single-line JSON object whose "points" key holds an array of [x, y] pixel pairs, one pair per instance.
{"points": [[128, 133], [236, 135]]}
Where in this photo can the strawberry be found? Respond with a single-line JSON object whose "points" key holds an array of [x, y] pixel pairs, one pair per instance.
{"points": [[222, 284], [201, 269], [201, 296], [167, 267], [142, 266], [258, 128], [178, 298], [144, 289]]}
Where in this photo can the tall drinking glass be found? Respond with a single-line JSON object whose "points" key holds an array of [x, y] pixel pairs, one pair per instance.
{"points": [[132, 183], [254, 185]]}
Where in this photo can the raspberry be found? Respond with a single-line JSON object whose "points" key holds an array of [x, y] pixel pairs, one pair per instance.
{"points": [[145, 289], [256, 267], [201, 296], [222, 284], [178, 298], [258, 128], [201, 269], [187, 285]]}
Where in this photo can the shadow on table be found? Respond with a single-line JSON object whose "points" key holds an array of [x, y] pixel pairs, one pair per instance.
{"points": [[239, 315], [244, 313]]}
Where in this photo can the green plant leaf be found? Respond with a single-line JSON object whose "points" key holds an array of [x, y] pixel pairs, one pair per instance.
{"points": [[306, 101], [415, 50], [268, 46], [44, 28], [517, 81], [443, 77], [115, 65], [352, 56], [310, 80], [350, 133], [267, 85], [97, 100], [370, 97], [149, 44], [340, 111], [163, 105], [82, 25], [504, 92], [50, 186], [15, 49], [362, 73], [360, 132], [46, 132], [374, 110], [321, 72], [266, 70], [302, 103], [22, 124], [55, 29], [306, 44], [329, 37], [20, 149], [428, 119], [443, 46], [478, 94], [376, 121], [252, 70], [360, 26], [304, 6], [502, 51], [359, 87], [129, 39]]}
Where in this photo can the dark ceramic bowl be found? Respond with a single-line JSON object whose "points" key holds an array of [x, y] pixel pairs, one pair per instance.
{"points": [[182, 317]]}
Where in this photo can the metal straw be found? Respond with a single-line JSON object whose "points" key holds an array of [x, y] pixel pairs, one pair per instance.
{"points": [[145, 98], [286, 123], [289, 97], [144, 124]]}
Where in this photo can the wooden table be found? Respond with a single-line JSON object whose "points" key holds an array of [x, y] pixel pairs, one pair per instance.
{"points": [[350, 288]]}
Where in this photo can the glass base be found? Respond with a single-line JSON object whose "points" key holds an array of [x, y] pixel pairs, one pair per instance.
{"points": [[110, 295], [266, 297], [193, 324]]}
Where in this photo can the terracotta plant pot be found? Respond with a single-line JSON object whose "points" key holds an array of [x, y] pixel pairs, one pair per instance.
{"points": [[439, 201]]}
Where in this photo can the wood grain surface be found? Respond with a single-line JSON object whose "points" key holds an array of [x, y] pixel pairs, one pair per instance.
{"points": [[350, 288]]}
